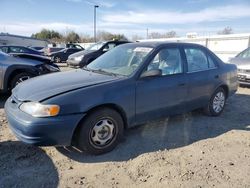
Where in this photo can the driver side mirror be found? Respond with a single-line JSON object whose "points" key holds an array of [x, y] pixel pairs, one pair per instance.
{"points": [[151, 73]]}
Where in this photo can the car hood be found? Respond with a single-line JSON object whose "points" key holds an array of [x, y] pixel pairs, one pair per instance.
{"points": [[47, 86], [83, 52], [242, 63], [21, 61]]}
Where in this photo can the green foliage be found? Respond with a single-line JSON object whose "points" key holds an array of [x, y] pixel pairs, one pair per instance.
{"points": [[46, 34], [105, 36], [72, 37]]}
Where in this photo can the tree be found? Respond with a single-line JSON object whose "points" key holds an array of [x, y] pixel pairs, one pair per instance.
{"points": [[136, 38], [85, 38], [227, 30], [104, 36], [46, 34], [72, 37], [170, 34], [157, 35]]}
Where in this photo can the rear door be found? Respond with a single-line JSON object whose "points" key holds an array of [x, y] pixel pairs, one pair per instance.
{"points": [[159, 96], [203, 76]]}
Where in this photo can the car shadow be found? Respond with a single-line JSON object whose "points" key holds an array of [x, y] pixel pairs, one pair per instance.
{"points": [[3, 98], [24, 165], [173, 132]]}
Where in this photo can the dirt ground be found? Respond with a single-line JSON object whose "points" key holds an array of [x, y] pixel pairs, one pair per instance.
{"points": [[189, 150]]}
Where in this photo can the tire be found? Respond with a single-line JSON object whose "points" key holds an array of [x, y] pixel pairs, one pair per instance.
{"points": [[20, 78], [57, 59], [217, 103], [100, 132]]}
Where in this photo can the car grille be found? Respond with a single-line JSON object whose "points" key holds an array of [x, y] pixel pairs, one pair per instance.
{"points": [[243, 71]]}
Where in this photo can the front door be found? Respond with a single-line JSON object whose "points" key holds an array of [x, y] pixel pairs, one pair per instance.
{"points": [[164, 95]]}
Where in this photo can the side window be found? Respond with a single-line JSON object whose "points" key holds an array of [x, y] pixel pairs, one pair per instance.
{"points": [[18, 50], [4, 49], [196, 59], [15, 50], [211, 63], [168, 61]]}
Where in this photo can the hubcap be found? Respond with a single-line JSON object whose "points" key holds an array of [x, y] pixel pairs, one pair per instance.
{"points": [[57, 59], [22, 79], [219, 102], [102, 133]]}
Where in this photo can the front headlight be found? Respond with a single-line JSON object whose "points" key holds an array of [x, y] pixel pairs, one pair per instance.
{"points": [[40, 110], [79, 58]]}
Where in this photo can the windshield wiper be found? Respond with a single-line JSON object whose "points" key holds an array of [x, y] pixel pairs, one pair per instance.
{"points": [[100, 71], [105, 72], [87, 69]]}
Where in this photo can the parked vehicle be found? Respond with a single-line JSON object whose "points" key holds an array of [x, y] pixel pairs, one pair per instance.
{"points": [[14, 70], [19, 49], [62, 55], [129, 85], [242, 60], [83, 58], [37, 47], [49, 50], [43, 59]]}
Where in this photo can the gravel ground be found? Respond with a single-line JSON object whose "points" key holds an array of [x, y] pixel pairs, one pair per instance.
{"points": [[189, 150]]}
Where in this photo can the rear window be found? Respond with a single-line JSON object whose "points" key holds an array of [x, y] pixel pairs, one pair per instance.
{"points": [[198, 60]]}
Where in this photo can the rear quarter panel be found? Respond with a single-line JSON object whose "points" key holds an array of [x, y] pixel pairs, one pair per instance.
{"points": [[229, 77]]}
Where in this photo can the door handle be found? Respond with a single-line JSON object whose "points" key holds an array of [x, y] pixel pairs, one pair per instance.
{"points": [[216, 76]]}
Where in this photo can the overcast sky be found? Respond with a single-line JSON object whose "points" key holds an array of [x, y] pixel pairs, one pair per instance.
{"points": [[129, 17]]}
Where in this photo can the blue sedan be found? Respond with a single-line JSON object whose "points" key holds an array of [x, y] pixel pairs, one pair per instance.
{"points": [[130, 85]]}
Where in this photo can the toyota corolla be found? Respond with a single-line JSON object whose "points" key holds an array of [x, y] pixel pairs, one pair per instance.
{"points": [[130, 85]]}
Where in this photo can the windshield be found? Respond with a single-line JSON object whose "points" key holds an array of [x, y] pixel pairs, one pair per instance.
{"points": [[245, 53], [122, 60], [96, 46]]}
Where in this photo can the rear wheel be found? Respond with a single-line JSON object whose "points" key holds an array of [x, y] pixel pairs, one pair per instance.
{"points": [[19, 78], [57, 59], [217, 103], [101, 131]]}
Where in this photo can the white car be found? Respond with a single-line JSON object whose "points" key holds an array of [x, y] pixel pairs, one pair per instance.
{"points": [[242, 60]]}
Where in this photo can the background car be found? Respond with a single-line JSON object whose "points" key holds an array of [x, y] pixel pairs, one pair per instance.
{"points": [[242, 61], [130, 85], [62, 55], [19, 49], [14, 70], [83, 58], [37, 47], [40, 58], [49, 50]]}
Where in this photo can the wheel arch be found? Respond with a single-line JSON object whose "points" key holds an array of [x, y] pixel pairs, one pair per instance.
{"points": [[12, 73], [225, 88], [115, 107]]}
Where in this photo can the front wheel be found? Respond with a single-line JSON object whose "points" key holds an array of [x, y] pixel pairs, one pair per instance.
{"points": [[217, 103], [101, 131], [21, 77]]}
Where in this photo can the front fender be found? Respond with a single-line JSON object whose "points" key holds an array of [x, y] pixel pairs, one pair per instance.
{"points": [[11, 70]]}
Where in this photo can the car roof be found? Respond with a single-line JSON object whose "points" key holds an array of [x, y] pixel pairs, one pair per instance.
{"points": [[155, 44], [15, 46]]}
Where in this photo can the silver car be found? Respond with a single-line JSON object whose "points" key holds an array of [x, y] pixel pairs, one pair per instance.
{"points": [[242, 60], [14, 70]]}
